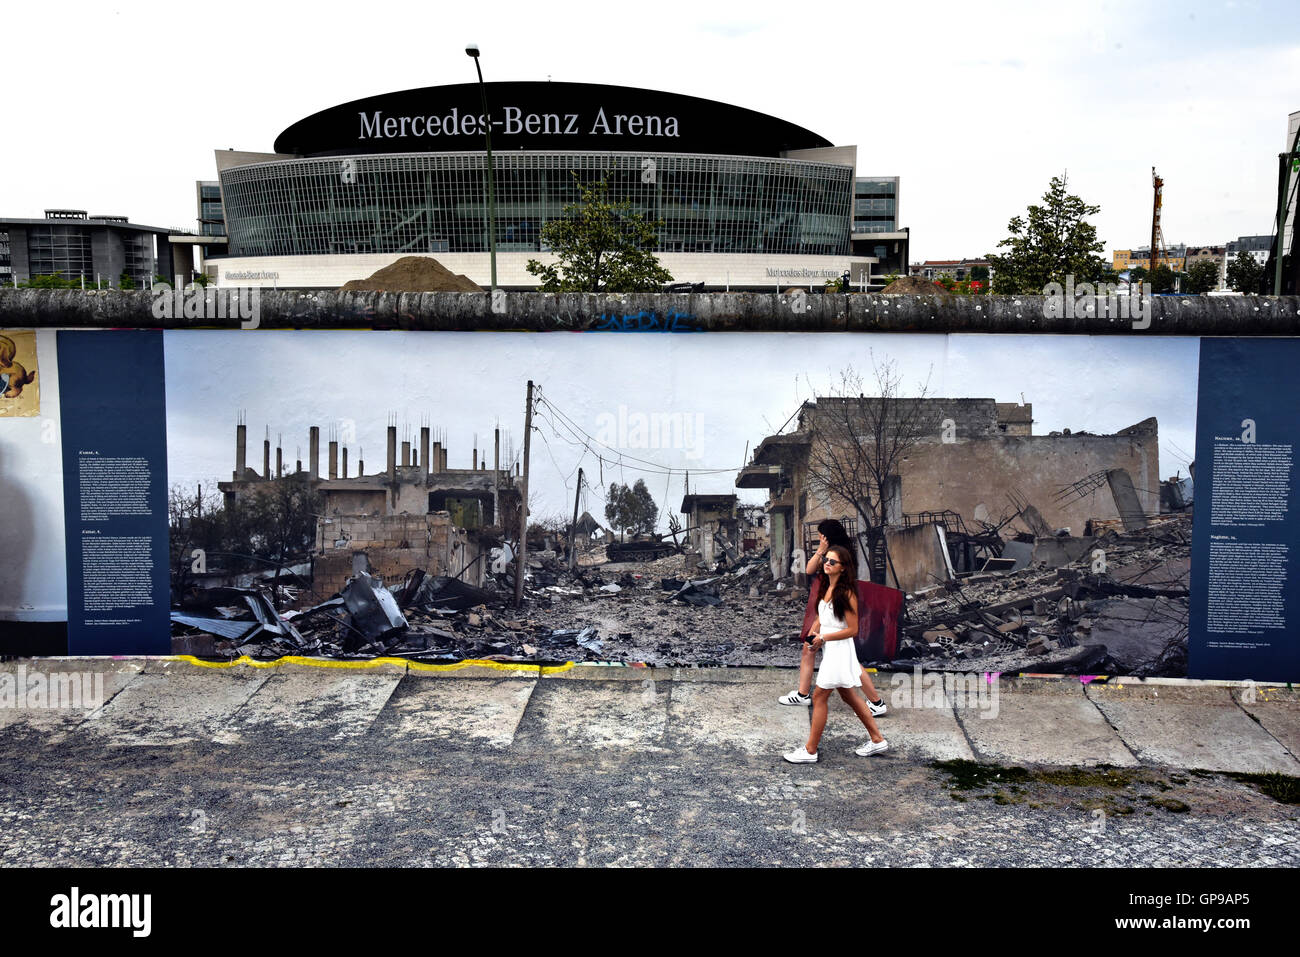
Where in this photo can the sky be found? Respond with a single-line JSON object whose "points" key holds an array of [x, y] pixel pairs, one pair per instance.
{"points": [[727, 390], [117, 109]]}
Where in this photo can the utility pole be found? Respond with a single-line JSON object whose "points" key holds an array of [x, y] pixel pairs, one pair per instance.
{"points": [[573, 529], [472, 50], [521, 554]]}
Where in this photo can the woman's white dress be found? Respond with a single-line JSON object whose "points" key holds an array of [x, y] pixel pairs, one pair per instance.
{"points": [[840, 667]]}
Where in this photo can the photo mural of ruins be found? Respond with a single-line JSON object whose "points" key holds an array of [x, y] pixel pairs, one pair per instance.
{"points": [[1031, 497]]}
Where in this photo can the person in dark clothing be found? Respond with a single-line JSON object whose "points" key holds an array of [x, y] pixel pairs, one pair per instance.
{"points": [[830, 533]]}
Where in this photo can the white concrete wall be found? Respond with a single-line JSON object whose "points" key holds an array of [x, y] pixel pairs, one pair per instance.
{"points": [[33, 577], [330, 272]]}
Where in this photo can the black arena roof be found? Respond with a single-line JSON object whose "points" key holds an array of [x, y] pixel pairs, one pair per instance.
{"points": [[542, 116]]}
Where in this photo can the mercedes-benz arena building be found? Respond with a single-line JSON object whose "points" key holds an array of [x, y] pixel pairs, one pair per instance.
{"points": [[747, 201]]}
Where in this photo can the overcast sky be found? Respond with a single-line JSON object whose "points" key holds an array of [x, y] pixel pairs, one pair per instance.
{"points": [[731, 389], [117, 109]]}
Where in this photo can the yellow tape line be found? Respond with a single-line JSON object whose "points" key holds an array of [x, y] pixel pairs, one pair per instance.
{"points": [[371, 663]]}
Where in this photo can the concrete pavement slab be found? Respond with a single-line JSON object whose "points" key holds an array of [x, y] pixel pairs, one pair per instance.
{"points": [[918, 733], [329, 704], [1195, 727], [735, 714], [577, 715], [175, 707], [1043, 722], [450, 710], [71, 690], [1278, 710]]}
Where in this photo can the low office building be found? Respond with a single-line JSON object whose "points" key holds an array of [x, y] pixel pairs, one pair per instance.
{"points": [[71, 244]]}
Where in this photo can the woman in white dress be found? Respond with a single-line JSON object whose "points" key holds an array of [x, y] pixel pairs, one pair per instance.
{"points": [[836, 626]]}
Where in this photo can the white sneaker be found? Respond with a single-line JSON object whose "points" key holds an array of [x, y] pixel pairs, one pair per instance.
{"points": [[871, 747], [877, 709], [795, 697], [800, 755]]}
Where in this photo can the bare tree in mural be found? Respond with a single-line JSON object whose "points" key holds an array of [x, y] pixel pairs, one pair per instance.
{"points": [[195, 520], [860, 440]]}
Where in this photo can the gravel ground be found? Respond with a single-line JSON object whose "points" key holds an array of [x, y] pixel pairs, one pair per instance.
{"points": [[382, 802]]}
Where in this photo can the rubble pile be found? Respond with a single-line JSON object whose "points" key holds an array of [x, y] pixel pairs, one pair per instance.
{"points": [[413, 274], [1120, 607], [1109, 603]]}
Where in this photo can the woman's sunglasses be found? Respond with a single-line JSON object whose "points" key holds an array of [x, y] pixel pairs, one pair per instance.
{"points": [[832, 561]]}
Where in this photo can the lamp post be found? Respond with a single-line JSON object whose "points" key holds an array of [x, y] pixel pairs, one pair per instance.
{"points": [[471, 50]]}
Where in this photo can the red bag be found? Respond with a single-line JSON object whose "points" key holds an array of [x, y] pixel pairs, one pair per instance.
{"points": [[878, 609]]}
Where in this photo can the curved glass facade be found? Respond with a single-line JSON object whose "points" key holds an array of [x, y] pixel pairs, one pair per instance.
{"points": [[437, 202]]}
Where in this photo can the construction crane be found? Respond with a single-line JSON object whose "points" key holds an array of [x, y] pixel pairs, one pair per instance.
{"points": [[1157, 237]]}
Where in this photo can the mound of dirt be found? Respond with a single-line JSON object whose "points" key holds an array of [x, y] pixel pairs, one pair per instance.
{"points": [[413, 274], [914, 286]]}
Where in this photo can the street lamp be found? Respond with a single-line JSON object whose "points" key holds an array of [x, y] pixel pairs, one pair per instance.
{"points": [[471, 50]]}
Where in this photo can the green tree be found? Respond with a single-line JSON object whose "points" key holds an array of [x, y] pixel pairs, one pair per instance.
{"points": [[600, 247], [1202, 276], [647, 512], [55, 281], [125, 281], [619, 507], [1244, 273], [631, 509], [1137, 274], [284, 519], [1055, 241], [1162, 278]]}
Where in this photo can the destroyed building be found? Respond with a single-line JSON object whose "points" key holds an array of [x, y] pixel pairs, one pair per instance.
{"points": [[971, 466], [418, 513], [712, 526]]}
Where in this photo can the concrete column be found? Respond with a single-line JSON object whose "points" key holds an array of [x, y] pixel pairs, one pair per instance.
{"points": [[334, 460], [313, 452], [241, 448], [424, 451], [496, 478], [392, 453], [444, 460], [279, 461], [436, 464], [406, 454], [345, 461]]}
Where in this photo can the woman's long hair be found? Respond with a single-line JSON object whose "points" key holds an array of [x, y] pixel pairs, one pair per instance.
{"points": [[835, 532], [846, 589]]}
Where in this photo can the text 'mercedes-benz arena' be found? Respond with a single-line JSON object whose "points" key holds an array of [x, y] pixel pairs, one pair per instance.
{"points": [[747, 200]]}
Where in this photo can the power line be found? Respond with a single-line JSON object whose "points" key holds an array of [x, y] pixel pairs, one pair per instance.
{"points": [[585, 439]]}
